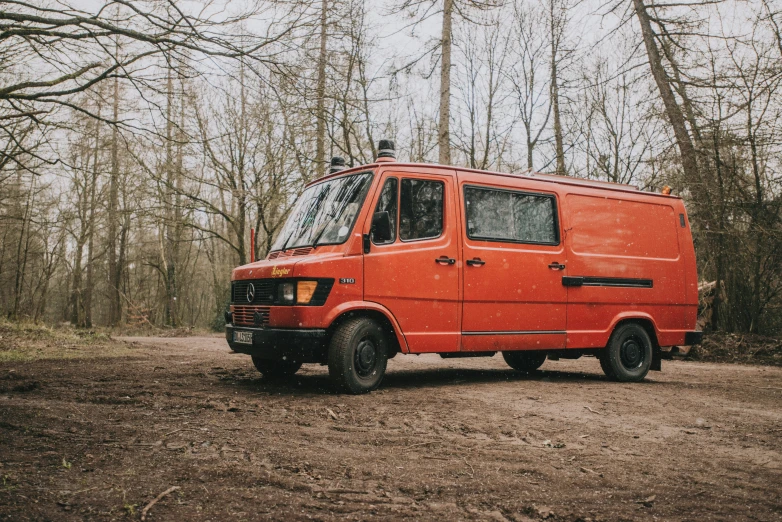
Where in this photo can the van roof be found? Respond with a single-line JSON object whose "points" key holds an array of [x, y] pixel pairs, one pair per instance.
{"points": [[533, 176]]}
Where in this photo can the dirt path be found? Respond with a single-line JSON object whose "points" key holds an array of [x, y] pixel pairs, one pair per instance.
{"points": [[442, 439]]}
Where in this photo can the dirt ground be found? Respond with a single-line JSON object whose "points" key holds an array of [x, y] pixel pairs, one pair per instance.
{"points": [[460, 439]]}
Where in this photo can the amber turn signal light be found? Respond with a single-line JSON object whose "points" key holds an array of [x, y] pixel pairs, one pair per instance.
{"points": [[305, 291]]}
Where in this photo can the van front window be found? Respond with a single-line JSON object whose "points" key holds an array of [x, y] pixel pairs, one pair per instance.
{"points": [[325, 213]]}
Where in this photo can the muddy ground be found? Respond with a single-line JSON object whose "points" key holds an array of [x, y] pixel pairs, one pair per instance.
{"points": [[465, 439]]}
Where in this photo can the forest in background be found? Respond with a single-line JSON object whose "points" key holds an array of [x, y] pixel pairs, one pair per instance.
{"points": [[140, 141]]}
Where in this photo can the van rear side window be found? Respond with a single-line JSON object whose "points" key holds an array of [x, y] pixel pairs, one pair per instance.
{"points": [[504, 215]]}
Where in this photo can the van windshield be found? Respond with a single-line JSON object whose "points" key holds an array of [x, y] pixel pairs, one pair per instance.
{"points": [[325, 213]]}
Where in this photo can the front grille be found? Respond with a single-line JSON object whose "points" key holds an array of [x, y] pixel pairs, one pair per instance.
{"points": [[244, 315], [264, 291]]}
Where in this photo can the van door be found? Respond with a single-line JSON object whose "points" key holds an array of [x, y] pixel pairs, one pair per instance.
{"points": [[514, 262], [415, 274]]}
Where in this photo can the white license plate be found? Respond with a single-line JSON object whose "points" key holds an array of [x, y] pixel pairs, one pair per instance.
{"points": [[243, 337]]}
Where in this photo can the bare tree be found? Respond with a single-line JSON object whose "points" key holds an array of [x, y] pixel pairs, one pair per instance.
{"points": [[558, 27], [58, 53], [673, 110], [528, 77], [485, 49], [422, 10]]}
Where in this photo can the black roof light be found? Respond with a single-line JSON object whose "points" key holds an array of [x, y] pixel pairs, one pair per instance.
{"points": [[386, 151], [337, 164]]}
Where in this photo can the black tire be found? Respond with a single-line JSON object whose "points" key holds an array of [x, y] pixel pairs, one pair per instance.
{"points": [[605, 365], [524, 360], [358, 355], [628, 356], [276, 370]]}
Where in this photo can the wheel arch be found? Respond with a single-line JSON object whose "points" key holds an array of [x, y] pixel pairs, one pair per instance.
{"points": [[372, 311], [644, 320]]}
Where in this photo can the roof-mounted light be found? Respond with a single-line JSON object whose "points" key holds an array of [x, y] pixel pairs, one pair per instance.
{"points": [[337, 164], [386, 151]]}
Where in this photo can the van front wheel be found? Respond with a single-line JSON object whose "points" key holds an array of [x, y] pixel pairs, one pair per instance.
{"points": [[358, 355], [524, 360], [628, 356]]}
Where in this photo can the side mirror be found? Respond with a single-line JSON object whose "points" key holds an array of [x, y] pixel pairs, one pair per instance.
{"points": [[381, 227]]}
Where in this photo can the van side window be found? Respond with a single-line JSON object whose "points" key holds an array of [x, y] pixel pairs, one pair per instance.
{"points": [[387, 202], [518, 217], [421, 209]]}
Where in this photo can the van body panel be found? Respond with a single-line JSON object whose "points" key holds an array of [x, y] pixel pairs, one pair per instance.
{"points": [[687, 248], [508, 341], [404, 277], [625, 252], [512, 301]]}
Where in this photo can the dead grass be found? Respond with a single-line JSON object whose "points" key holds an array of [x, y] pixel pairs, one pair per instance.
{"points": [[22, 342], [739, 348]]}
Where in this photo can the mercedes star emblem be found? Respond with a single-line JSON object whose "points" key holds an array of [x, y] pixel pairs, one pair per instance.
{"points": [[250, 293]]}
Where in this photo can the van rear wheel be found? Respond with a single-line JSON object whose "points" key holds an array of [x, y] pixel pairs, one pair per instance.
{"points": [[276, 370], [358, 355], [524, 360], [628, 356]]}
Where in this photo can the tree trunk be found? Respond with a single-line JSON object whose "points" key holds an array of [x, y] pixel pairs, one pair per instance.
{"points": [[443, 129], [560, 148], [756, 308], [320, 111], [716, 305], [169, 253], [672, 109], [114, 304], [76, 289], [23, 249], [91, 231]]}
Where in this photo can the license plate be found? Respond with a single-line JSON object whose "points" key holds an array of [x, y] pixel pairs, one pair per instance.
{"points": [[243, 337]]}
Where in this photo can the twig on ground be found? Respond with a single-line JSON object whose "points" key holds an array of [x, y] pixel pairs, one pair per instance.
{"points": [[472, 474], [157, 499], [593, 411]]}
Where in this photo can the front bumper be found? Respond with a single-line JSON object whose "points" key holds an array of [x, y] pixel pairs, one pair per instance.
{"points": [[302, 345]]}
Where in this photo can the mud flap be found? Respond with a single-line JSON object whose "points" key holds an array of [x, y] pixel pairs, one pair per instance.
{"points": [[657, 360]]}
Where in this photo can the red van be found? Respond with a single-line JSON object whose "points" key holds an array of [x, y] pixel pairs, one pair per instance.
{"points": [[411, 258]]}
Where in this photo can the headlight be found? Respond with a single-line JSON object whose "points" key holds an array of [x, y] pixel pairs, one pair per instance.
{"points": [[285, 293], [305, 291]]}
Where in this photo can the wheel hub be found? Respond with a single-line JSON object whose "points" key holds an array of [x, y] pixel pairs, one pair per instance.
{"points": [[632, 354], [366, 355]]}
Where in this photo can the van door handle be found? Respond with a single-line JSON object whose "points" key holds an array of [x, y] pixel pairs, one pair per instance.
{"points": [[556, 266], [445, 260], [476, 262]]}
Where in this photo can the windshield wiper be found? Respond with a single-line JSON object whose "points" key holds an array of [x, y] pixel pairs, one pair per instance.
{"points": [[331, 217], [284, 245]]}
